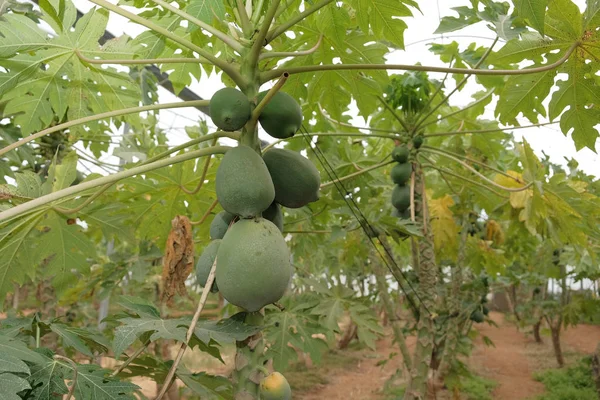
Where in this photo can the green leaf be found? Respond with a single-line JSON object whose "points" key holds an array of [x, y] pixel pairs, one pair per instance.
{"points": [[466, 16], [384, 18], [563, 21], [224, 331], [139, 306], [17, 349], [71, 339], [208, 386], [533, 11], [19, 33], [205, 11], [28, 184], [10, 363], [93, 383], [159, 328], [61, 174], [48, 380], [332, 22], [10, 385]]}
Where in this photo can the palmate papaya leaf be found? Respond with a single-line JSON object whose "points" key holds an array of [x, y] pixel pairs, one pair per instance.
{"points": [[209, 387], [10, 385], [443, 225], [132, 328], [534, 11], [65, 86]]}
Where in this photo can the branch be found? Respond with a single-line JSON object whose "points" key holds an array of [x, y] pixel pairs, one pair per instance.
{"points": [[110, 114], [74, 379], [291, 53], [488, 130], [357, 127], [467, 166], [206, 214], [143, 61], [262, 33], [80, 207], [358, 134], [299, 17], [209, 28], [354, 174], [256, 12], [216, 135], [270, 75], [244, 20], [129, 360], [202, 177], [391, 110], [43, 200], [460, 84], [223, 65], [468, 106], [190, 331]]}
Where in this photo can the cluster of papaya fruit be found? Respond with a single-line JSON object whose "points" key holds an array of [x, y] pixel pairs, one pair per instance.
{"points": [[253, 262], [400, 175]]}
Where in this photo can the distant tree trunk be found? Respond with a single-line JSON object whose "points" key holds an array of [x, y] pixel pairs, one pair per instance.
{"points": [[596, 368], [536, 331], [349, 334], [555, 329]]}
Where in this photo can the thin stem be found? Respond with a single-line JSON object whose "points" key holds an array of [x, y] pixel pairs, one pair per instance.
{"points": [[459, 85], [259, 40], [244, 20], [356, 127], [297, 18], [256, 12], [216, 135], [229, 69], [391, 110], [439, 88], [467, 166], [283, 8], [291, 53], [354, 174], [270, 75], [469, 159], [74, 379], [362, 135], [43, 200], [129, 360], [190, 331], [80, 207], [202, 177], [109, 114], [468, 106], [206, 214], [143, 61], [471, 181], [488, 130], [263, 103], [306, 218], [207, 27]]}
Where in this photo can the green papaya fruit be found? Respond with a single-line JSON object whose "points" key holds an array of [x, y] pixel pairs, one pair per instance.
{"points": [[243, 183], [274, 214], [485, 310], [477, 316], [296, 179], [401, 173], [220, 224], [253, 264], [400, 154], [230, 109], [401, 197], [282, 116], [275, 387], [418, 141], [205, 262]]}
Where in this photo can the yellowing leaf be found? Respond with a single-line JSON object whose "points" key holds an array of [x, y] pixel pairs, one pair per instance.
{"points": [[515, 182], [442, 222], [519, 199]]}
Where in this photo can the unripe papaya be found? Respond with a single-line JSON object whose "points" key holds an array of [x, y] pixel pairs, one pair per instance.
{"points": [[243, 183], [275, 387], [477, 317], [404, 214], [274, 214], [401, 173], [220, 224], [418, 141], [205, 262], [253, 264], [401, 197], [230, 109], [400, 154], [296, 179], [485, 310], [282, 116]]}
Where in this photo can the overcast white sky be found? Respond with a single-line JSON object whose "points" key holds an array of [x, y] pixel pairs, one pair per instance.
{"points": [[547, 139]]}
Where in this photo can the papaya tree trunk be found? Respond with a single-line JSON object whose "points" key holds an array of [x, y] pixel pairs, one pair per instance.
{"points": [[555, 330], [427, 271], [596, 368], [454, 302], [349, 334], [536, 331], [389, 310]]}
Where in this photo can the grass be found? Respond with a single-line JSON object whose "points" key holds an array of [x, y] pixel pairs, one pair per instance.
{"points": [[572, 383], [304, 379]]}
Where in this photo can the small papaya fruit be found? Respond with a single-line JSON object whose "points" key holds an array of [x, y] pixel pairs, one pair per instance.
{"points": [[274, 214], [400, 154], [253, 264], [296, 179], [275, 387], [230, 109], [243, 183], [282, 116], [477, 316], [220, 224], [401, 197], [418, 141], [400, 173], [205, 262], [485, 310]]}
